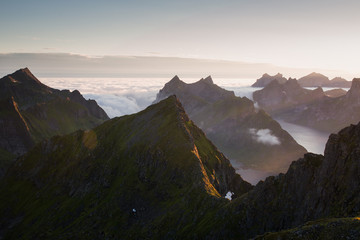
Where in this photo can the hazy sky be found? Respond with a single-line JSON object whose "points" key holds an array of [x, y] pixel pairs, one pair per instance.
{"points": [[316, 34]]}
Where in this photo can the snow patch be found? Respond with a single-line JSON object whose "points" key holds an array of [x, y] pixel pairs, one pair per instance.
{"points": [[229, 195]]}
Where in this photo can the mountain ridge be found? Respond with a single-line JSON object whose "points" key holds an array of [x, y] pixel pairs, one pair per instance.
{"points": [[135, 176], [235, 125], [43, 112]]}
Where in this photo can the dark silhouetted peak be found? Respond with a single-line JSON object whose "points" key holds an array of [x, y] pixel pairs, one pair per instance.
{"points": [[314, 80], [338, 79], [25, 76], [175, 82], [266, 79], [207, 80], [354, 91], [175, 78], [292, 81], [292, 85]]}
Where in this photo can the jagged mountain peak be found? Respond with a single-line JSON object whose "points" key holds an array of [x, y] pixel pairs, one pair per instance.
{"points": [[267, 79], [175, 78], [207, 80], [25, 76], [354, 91]]}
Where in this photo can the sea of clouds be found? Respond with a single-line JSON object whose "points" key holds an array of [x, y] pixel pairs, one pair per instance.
{"points": [[122, 96]]}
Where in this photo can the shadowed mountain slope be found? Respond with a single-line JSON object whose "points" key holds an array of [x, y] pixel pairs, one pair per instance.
{"points": [[148, 175], [32, 111]]}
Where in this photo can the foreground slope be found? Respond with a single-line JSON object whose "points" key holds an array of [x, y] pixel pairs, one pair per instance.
{"points": [[31, 112], [154, 175], [315, 187], [247, 136], [148, 175]]}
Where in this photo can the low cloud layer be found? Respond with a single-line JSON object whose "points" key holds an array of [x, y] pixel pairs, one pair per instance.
{"points": [[122, 96], [117, 96], [264, 136]]}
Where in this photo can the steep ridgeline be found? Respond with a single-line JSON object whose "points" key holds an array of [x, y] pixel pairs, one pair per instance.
{"points": [[151, 175], [327, 114], [244, 134], [266, 79], [31, 111], [319, 80], [276, 98], [314, 187]]}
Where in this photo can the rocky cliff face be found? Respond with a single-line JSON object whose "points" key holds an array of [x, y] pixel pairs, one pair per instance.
{"points": [[247, 136], [32, 112], [266, 79], [148, 175], [276, 98], [315, 187]]}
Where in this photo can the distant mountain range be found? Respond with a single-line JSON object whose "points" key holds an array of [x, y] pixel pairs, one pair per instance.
{"points": [[266, 79], [311, 80], [154, 175], [312, 108], [245, 134], [76, 65], [31, 112]]}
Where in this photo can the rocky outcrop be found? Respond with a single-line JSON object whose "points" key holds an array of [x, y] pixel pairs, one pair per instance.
{"points": [[266, 79], [276, 98], [246, 135]]}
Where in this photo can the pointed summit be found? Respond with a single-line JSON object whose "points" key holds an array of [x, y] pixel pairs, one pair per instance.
{"points": [[266, 79], [25, 76], [207, 80], [175, 78], [354, 92]]}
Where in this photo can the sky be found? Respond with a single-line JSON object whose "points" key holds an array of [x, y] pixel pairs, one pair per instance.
{"points": [[296, 34]]}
